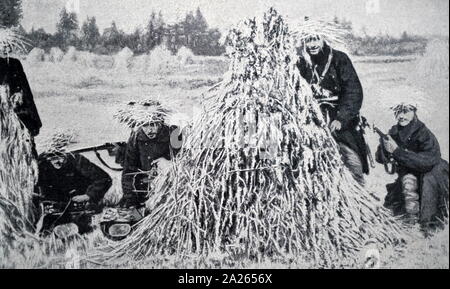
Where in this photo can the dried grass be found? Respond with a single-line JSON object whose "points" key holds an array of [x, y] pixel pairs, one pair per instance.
{"points": [[11, 42], [260, 174], [18, 171]]}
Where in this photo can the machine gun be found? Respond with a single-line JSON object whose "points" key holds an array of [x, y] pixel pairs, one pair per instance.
{"points": [[390, 165], [65, 219], [114, 149]]}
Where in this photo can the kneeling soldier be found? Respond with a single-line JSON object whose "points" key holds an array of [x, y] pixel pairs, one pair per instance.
{"points": [[70, 178], [150, 145], [421, 190]]}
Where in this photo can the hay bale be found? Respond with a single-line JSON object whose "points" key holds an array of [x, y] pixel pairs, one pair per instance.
{"points": [[36, 55], [11, 42], [260, 174], [55, 55], [160, 60], [18, 171], [185, 56], [122, 60], [434, 63], [71, 55]]}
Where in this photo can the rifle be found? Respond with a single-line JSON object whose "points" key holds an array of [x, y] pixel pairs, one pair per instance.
{"points": [[363, 124], [389, 163], [110, 147]]}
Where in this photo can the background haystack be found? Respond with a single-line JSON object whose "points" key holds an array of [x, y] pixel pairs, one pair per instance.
{"points": [[55, 55], [260, 174], [122, 60], [160, 60], [435, 62], [36, 55], [71, 55], [185, 56]]}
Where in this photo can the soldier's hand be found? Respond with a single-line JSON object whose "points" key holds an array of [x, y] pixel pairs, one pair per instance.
{"points": [[390, 145], [81, 198], [335, 125]]}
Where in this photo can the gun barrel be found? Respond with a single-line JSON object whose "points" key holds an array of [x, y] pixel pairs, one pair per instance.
{"points": [[94, 148], [380, 133]]}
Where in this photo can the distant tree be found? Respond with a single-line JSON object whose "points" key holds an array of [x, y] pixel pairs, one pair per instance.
{"points": [[41, 39], [10, 12], [160, 28], [405, 37], [90, 35], [198, 37], [200, 22], [113, 39], [136, 41], [175, 37], [67, 29], [189, 29], [155, 30]]}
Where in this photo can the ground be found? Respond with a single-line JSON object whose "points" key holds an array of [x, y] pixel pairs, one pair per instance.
{"points": [[84, 100]]}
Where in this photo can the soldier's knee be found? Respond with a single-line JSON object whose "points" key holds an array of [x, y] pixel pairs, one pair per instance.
{"points": [[409, 183], [410, 193]]}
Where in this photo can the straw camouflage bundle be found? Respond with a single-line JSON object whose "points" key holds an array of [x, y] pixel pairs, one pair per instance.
{"points": [[18, 170], [11, 42], [137, 113], [260, 174]]}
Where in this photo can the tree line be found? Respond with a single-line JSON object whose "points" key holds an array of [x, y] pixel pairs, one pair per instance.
{"points": [[192, 32]]}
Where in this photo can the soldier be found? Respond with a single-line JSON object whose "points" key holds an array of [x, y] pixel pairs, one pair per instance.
{"points": [[65, 177], [150, 145], [13, 75], [421, 189], [337, 88]]}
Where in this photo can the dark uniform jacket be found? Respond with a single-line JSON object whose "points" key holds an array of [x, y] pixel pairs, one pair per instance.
{"points": [[418, 153], [141, 152], [12, 74], [78, 174], [342, 81]]}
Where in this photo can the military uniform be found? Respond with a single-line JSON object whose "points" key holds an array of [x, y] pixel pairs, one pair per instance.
{"points": [[77, 176], [12, 74], [140, 154], [336, 85], [420, 167]]}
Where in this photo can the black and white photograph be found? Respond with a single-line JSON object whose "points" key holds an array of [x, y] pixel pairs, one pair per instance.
{"points": [[224, 134]]}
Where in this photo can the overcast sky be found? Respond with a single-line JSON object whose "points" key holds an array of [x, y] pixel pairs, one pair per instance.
{"points": [[422, 17]]}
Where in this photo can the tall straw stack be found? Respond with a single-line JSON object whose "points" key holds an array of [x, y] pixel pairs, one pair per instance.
{"points": [[260, 174], [18, 170]]}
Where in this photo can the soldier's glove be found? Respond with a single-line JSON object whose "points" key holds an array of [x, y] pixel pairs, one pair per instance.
{"points": [[81, 199], [390, 145], [335, 125]]}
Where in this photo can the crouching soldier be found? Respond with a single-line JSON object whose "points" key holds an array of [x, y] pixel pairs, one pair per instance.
{"points": [[421, 190], [149, 148], [71, 179]]}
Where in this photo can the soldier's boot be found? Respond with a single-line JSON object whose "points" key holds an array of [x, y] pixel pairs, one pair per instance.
{"points": [[412, 199]]}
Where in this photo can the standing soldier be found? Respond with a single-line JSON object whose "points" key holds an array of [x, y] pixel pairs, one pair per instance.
{"points": [[421, 189], [337, 88], [12, 74]]}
